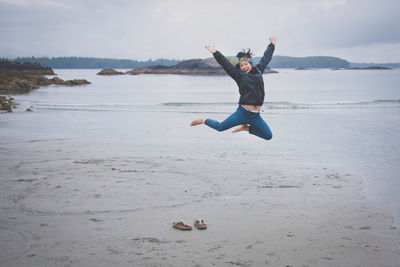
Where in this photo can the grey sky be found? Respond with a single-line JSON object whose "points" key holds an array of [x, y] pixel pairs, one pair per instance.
{"points": [[356, 30]]}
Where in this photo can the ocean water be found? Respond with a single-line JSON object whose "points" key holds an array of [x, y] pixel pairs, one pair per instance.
{"points": [[347, 120], [290, 89]]}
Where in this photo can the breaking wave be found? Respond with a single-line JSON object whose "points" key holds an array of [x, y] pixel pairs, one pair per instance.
{"points": [[188, 106]]}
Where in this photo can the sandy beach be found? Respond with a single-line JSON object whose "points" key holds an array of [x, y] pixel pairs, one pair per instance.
{"points": [[78, 189], [98, 158]]}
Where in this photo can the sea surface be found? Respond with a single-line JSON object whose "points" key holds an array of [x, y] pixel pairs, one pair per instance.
{"points": [[348, 119]]}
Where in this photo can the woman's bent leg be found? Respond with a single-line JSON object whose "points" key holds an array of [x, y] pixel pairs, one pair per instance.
{"points": [[233, 120], [260, 128]]}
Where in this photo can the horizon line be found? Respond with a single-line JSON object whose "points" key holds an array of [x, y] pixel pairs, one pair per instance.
{"points": [[172, 59]]}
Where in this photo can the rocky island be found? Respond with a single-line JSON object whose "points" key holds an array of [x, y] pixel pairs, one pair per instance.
{"points": [[370, 68], [110, 72], [188, 67], [16, 78], [206, 67]]}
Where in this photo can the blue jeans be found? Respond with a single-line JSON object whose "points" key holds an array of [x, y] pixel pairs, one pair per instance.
{"points": [[258, 126]]}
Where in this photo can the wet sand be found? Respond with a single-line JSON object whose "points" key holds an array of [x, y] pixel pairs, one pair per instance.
{"points": [[88, 191]]}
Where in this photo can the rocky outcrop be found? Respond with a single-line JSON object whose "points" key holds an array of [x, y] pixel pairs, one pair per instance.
{"points": [[196, 64], [371, 68], [365, 68], [206, 67], [168, 70], [18, 78], [27, 67], [110, 72], [59, 81], [6, 104]]}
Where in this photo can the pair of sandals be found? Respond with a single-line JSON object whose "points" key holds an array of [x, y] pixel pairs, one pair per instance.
{"points": [[199, 224]]}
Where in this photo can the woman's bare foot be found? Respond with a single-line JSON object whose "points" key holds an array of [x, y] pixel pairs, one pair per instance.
{"points": [[243, 127], [198, 121]]}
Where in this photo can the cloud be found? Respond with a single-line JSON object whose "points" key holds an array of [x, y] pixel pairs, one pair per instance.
{"points": [[355, 24], [142, 29], [25, 3]]}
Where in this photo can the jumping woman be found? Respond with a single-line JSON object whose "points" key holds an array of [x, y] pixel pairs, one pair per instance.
{"points": [[251, 88]]}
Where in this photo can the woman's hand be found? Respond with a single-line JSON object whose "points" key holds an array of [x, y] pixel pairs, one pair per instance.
{"points": [[211, 48], [272, 39]]}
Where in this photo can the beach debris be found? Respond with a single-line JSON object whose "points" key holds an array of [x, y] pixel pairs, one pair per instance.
{"points": [[25, 180], [154, 240], [290, 234], [239, 263], [279, 186]]}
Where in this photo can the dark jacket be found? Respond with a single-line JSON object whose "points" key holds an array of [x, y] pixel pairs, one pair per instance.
{"points": [[251, 85]]}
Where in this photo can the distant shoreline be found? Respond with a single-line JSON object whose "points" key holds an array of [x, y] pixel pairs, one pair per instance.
{"points": [[110, 63]]}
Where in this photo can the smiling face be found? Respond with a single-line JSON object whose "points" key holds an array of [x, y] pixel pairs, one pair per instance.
{"points": [[245, 66]]}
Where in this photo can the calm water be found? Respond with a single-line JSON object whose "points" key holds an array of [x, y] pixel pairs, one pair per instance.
{"points": [[347, 119], [290, 89]]}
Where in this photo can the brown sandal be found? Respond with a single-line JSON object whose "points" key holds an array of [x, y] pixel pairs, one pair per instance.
{"points": [[199, 224], [181, 226]]}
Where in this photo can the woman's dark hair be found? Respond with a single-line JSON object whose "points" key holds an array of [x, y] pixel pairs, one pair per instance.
{"points": [[246, 54], [243, 53]]}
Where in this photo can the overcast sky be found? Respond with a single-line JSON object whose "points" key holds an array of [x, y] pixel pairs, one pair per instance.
{"points": [[355, 30]]}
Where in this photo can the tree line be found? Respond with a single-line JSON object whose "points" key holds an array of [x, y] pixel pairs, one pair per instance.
{"points": [[107, 63], [94, 63]]}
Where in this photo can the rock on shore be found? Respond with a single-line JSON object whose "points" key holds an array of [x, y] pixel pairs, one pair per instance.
{"points": [[6, 103], [16, 78]]}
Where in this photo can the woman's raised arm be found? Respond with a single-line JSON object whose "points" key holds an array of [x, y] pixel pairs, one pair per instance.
{"points": [[267, 55], [225, 63], [211, 48], [272, 39]]}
